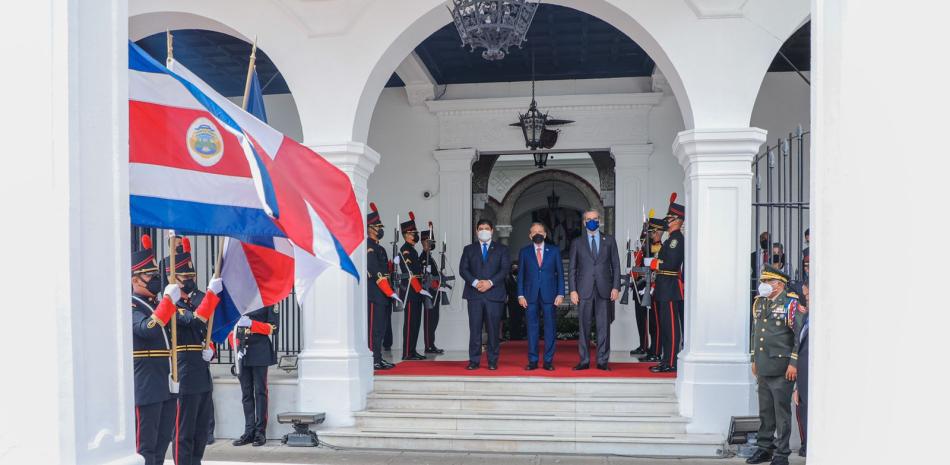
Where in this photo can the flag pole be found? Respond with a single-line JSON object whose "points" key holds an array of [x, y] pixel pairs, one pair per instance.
{"points": [[172, 251], [169, 46], [220, 259]]}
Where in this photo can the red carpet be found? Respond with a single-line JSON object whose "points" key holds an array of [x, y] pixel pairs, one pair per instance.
{"points": [[514, 357]]}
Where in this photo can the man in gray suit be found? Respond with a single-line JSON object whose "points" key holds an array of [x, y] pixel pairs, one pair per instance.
{"points": [[594, 279]]}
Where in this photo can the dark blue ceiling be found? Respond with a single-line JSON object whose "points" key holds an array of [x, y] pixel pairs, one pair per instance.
{"points": [[219, 59], [567, 44]]}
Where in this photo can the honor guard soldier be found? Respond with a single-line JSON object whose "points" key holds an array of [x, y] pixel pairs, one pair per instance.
{"points": [[256, 355], [155, 403], [777, 324], [668, 266], [195, 410], [651, 318], [379, 291], [410, 264], [430, 318]]}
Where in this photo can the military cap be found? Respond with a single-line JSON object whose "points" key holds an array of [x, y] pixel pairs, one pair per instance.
{"points": [[773, 273], [676, 210], [372, 218], [409, 226], [183, 261], [657, 224], [143, 261]]}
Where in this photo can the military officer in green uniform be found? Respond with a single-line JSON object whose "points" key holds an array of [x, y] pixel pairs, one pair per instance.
{"points": [[777, 323]]}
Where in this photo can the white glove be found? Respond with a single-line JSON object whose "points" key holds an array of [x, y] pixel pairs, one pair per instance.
{"points": [[207, 354], [216, 285], [173, 291], [396, 260], [244, 322], [648, 262], [395, 297], [425, 293]]}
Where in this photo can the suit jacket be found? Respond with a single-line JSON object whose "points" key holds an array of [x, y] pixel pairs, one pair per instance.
{"points": [[494, 269], [588, 273], [543, 282]]}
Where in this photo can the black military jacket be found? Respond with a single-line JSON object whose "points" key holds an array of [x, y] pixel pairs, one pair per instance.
{"points": [[775, 330], [194, 373], [377, 265], [260, 347], [668, 274], [150, 354], [410, 263]]}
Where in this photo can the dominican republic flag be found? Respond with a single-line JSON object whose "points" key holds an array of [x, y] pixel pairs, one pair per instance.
{"points": [[200, 164]]}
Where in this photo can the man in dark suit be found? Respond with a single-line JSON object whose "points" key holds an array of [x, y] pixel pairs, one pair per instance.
{"points": [[540, 288], [800, 395], [483, 268], [594, 278]]}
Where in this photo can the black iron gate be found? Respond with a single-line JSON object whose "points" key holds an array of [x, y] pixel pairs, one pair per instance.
{"points": [[205, 252], [780, 207]]}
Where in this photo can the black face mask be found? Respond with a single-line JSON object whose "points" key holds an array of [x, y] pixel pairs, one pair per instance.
{"points": [[380, 233], [415, 237], [764, 243], [154, 285], [537, 238], [188, 286]]}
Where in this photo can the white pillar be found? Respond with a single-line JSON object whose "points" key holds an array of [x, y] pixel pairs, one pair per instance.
{"points": [[631, 165], [67, 379], [715, 381], [455, 216], [335, 367], [878, 256]]}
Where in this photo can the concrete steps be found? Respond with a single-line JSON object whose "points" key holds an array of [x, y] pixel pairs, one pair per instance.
{"points": [[530, 415]]}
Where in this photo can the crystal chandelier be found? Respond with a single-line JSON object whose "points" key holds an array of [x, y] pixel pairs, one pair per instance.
{"points": [[493, 25]]}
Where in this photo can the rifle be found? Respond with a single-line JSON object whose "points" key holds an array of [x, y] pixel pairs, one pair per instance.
{"points": [[240, 338], [444, 287], [644, 271], [427, 301], [395, 273]]}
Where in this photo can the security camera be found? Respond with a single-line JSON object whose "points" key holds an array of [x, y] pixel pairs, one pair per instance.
{"points": [[426, 194]]}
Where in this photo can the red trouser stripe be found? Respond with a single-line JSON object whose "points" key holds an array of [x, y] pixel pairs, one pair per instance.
{"points": [[138, 429], [673, 326], [370, 326]]}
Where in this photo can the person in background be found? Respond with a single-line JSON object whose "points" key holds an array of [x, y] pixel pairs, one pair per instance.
{"points": [[778, 256], [516, 330], [800, 395]]}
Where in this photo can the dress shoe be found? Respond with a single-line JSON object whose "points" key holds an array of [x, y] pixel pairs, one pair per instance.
{"points": [[663, 369], [415, 356], [637, 351], [603, 366], [387, 364], [801, 452], [472, 366], [650, 358], [760, 456], [434, 350], [581, 366], [531, 366], [244, 439], [549, 366], [259, 441], [211, 439], [381, 366], [658, 368], [492, 366], [779, 460]]}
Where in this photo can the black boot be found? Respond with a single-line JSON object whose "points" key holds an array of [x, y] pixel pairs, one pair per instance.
{"points": [[243, 440], [760, 456]]}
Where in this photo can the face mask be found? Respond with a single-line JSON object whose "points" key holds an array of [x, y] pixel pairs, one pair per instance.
{"points": [[380, 233], [592, 225], [484, 235], [188, 286], [154, 285], [764, 244], [765, 289], [537, 238]]}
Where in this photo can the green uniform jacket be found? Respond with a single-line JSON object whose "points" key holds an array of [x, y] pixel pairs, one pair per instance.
{"points": [[775, 329]]}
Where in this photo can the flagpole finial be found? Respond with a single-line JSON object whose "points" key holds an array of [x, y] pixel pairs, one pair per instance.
{"points": [[169, 46]]}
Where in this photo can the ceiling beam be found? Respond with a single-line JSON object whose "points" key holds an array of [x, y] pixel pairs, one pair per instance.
{"points": [[420, 85]]}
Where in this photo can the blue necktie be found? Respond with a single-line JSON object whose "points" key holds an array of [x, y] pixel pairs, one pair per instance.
{"points": [[593, 244], [484, 252]]}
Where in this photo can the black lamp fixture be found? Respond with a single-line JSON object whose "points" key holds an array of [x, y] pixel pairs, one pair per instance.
{"points": [[554, 201], [534, 126]]}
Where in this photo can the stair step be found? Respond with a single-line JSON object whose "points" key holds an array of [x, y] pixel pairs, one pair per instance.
{"points": [[584, 387], [534, 403], [654, 445], [521, 422]]}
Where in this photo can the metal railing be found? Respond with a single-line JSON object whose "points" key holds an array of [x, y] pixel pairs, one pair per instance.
{"points": [[204, 251]]}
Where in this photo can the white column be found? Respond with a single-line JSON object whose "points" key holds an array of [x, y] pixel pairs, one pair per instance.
{"points": [[715, 380], [335, 367], [455, 216], [631, 165], [879, 178], [67, 374]]}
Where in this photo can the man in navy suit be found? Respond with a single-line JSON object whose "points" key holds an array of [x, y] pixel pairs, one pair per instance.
{"points": [[483, 269], [540, 288], [594, 277]]}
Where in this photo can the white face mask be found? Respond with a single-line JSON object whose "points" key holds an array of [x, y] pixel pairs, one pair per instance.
{"points": [[484, 235], [765, 289]]}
